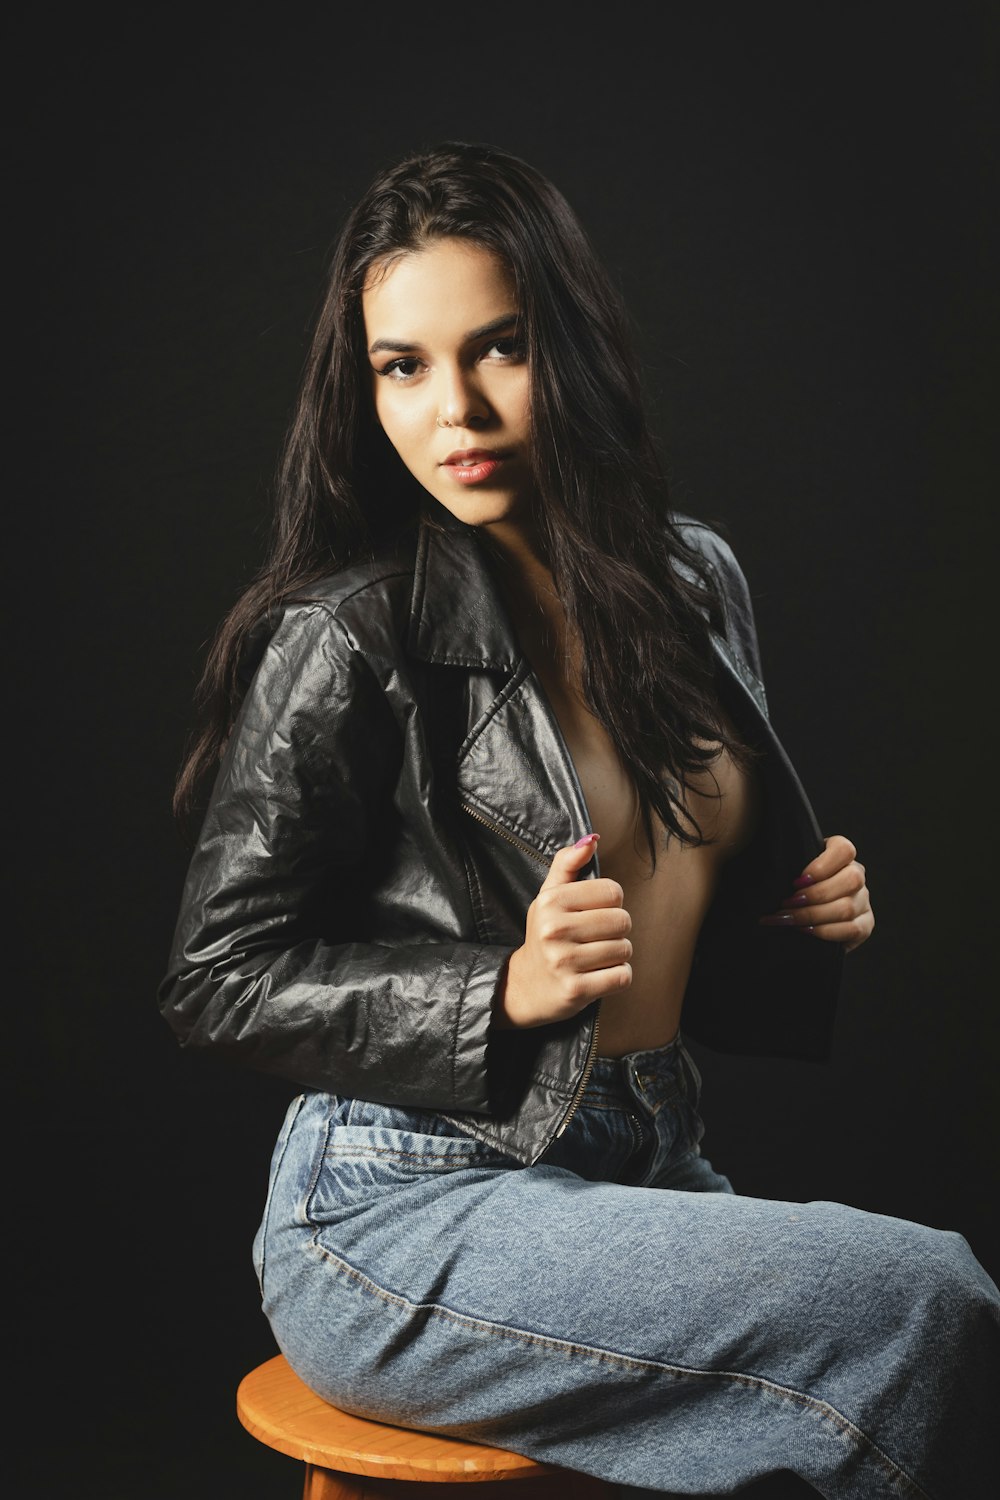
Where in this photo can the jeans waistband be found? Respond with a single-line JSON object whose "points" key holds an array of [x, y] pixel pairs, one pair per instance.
{"points": [[652, 1077]]}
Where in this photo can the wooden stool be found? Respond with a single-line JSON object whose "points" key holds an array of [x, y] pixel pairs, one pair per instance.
{"points": [[348, 1458]]}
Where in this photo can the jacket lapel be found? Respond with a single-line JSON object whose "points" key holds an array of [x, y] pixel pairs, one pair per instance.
{"points": [[456, 618], [514, 769]]}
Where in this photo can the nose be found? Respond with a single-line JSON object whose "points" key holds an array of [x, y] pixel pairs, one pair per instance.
{"points": [[461, 402]]}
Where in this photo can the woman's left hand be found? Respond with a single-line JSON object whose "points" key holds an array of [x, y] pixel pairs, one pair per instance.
{"points": [[831, 900]]}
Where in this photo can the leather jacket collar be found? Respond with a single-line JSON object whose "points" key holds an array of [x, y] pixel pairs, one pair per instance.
{"points": [[456, 618]]}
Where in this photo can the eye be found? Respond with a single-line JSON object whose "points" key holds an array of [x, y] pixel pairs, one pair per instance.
{"points": [[401, 370], [508, 349]]}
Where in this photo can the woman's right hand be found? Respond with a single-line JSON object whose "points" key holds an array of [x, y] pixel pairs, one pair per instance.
{"points": [[576, 946]]}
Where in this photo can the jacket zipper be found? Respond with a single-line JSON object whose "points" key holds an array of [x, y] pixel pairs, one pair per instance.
{"points": [[588, 1066], [510, 837]]}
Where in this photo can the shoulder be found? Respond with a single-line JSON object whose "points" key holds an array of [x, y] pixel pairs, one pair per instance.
{"points": [[714, 550], [368, 602], [359, 611], [724, 570]]}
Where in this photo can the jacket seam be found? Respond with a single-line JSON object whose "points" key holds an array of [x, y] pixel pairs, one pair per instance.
{"points": [[332, 608]]}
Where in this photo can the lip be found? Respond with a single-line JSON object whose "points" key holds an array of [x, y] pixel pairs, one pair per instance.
{"points": [[468, 466], [473, 455]]}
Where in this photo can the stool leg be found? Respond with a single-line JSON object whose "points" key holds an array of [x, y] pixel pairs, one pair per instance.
{"points": [[325, 1484]]}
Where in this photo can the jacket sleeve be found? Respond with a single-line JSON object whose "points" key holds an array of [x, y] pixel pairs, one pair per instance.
{"points": [[266, 964]]}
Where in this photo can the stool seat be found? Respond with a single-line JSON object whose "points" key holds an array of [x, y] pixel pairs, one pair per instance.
{"points": [[280, 1410]]}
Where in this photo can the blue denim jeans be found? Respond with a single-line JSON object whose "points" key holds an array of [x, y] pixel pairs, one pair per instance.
{"points": [[617, 1309]]}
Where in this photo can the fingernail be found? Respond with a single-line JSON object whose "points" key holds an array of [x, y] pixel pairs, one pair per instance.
{"points": [[804, 880], [588, 838], [779, 919], [795, 900]]}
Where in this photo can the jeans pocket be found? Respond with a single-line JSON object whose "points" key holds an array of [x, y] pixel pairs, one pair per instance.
{"points": [[381, 1151]]}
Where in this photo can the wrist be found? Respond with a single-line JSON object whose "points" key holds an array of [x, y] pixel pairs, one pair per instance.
{"points": [[501, 1019]]}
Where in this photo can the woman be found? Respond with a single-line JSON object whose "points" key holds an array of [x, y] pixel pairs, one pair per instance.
{"points": [[482, 643]]}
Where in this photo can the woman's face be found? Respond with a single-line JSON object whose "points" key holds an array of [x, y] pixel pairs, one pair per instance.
{"points": [[450, 376]]}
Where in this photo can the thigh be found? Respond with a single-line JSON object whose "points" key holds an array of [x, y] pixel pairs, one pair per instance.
{"points": [[412, 1275], [382, 1221]]}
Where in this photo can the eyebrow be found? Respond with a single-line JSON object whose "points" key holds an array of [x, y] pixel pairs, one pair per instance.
{"points": [[400, 346]]}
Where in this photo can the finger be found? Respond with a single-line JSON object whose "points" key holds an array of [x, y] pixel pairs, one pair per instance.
{"points": [[847, 882], [570, 860], [851, 934], [583, 895], [597, 983], [554, 924], [585, 958], [839, 852], [845, 909]]}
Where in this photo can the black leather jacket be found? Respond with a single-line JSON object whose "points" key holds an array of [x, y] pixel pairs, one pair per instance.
{"points": [[391, 795]]}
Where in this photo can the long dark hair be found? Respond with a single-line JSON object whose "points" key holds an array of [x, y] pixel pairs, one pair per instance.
{"points": [[603, 515]]}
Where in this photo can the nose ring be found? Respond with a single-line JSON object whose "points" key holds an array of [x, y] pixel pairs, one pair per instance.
{"points": [[442, 423]]}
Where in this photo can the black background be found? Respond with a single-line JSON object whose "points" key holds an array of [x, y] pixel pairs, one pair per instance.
{"points": [[797, 203]]}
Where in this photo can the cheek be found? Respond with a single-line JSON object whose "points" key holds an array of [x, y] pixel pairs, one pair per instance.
{"points": [[518, 404], [396, 417], [389, 414]]}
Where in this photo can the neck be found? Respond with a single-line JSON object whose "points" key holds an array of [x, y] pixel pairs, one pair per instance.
{"points": [[521, 567], [536, 611]]}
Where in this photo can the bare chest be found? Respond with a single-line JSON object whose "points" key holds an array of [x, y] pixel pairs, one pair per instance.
{"points": [[667, 904], [722, 800]]}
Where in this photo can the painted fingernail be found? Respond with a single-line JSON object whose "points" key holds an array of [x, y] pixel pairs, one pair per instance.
{"points": [[804, 880], [779, 919], [795, 900], [588, 838]]}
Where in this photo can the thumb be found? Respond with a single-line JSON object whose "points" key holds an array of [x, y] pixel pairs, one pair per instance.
{"points": [[570, 860]]}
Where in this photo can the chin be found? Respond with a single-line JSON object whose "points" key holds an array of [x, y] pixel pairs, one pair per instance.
{"points": [[482, 507]]}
